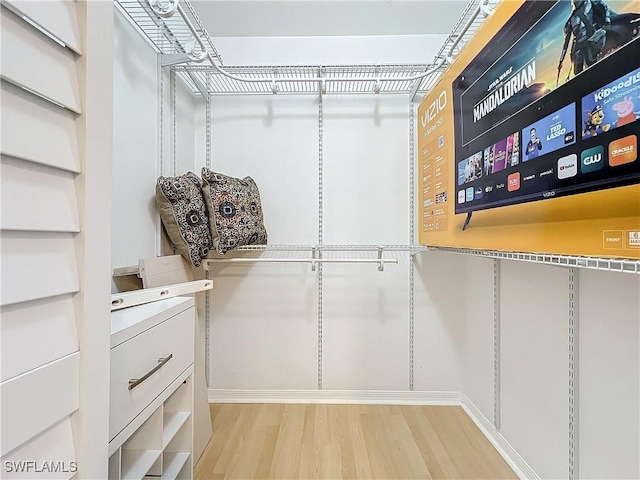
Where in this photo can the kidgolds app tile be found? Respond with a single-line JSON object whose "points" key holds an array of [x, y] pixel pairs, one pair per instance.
{"points": [[624, 150]]}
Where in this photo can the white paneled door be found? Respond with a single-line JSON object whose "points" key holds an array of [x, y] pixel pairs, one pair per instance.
{"points": [[55, 189]]}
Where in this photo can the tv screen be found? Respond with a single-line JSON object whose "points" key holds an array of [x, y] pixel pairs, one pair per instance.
{"points": [[526, 130]]}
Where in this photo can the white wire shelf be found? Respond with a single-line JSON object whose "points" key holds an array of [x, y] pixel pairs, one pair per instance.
{"points": [[306, 80], [332, 248], [282, 254], [622, 265], [168, 35], [178, 31], [314, 262]]}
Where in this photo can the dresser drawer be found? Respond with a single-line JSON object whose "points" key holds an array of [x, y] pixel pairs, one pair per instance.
{"points": [[138, 356]]}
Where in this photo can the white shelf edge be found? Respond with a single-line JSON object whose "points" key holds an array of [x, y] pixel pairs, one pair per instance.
{"points": [[176, 460], [617, 265], [140, 466], [172, 423], [148, 295], [125, 271]]}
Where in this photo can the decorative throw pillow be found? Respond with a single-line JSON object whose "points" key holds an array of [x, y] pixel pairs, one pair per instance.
{"points": [[235, 210], [184, 215]]}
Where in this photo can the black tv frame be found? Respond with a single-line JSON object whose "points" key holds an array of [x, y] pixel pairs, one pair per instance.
{"points": [[604, 72]]}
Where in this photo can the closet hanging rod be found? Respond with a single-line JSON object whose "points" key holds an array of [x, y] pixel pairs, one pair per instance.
{"points": [[174, 6], [207, 264], [332, 248]]}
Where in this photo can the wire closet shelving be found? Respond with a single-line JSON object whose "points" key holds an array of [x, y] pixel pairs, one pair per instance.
{"points": [[174, 30]]}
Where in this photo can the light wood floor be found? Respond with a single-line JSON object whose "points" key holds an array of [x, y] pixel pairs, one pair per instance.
{"points": [[347, 441]]}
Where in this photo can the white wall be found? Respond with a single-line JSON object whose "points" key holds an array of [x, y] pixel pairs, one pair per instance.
{"points": [[329, 50], [534, 351], [609, 379], [366, 170], [137, 148], [275, 141], [439, 312], [534, 364], [266, 313], [183, 158], [477, 332], [365, 199], [366, 335], [264, 317]]}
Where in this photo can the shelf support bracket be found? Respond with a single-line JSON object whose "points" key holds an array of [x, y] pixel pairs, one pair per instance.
{"points": [[171, 59], [485, 8], [378, 85], [201, 88]]}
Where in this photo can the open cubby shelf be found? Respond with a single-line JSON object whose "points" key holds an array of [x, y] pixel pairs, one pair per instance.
{"points": [[161, 448]]}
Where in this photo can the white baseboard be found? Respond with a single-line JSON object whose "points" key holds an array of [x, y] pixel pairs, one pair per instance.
{"points": [[335, 396], [504, 448]]}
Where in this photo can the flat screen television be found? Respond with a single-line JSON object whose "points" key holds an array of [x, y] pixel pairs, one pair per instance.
{"points": [[525, 131]]}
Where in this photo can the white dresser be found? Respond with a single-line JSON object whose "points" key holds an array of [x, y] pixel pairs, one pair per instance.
{"points": [[151, 394]]}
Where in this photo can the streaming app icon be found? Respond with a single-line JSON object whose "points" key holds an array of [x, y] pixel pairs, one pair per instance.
{"points": [[513, 182], [568, 166], [470, 194], [592, 159], [546, 172], [461, 196], [624, 150], [478, 193]]}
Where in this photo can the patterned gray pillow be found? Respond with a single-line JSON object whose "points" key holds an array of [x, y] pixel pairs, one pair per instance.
{"points": [[235, 210], [184, 215]]}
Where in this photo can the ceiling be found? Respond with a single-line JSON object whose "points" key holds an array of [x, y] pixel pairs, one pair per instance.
{"points": [[291, 18]]}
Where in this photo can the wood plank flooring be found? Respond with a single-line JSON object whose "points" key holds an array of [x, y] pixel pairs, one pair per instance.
{"points": [[275, 441]]}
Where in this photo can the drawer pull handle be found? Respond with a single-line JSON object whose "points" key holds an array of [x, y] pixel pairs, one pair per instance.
{"points": [[134, 382], [117, 301]]}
